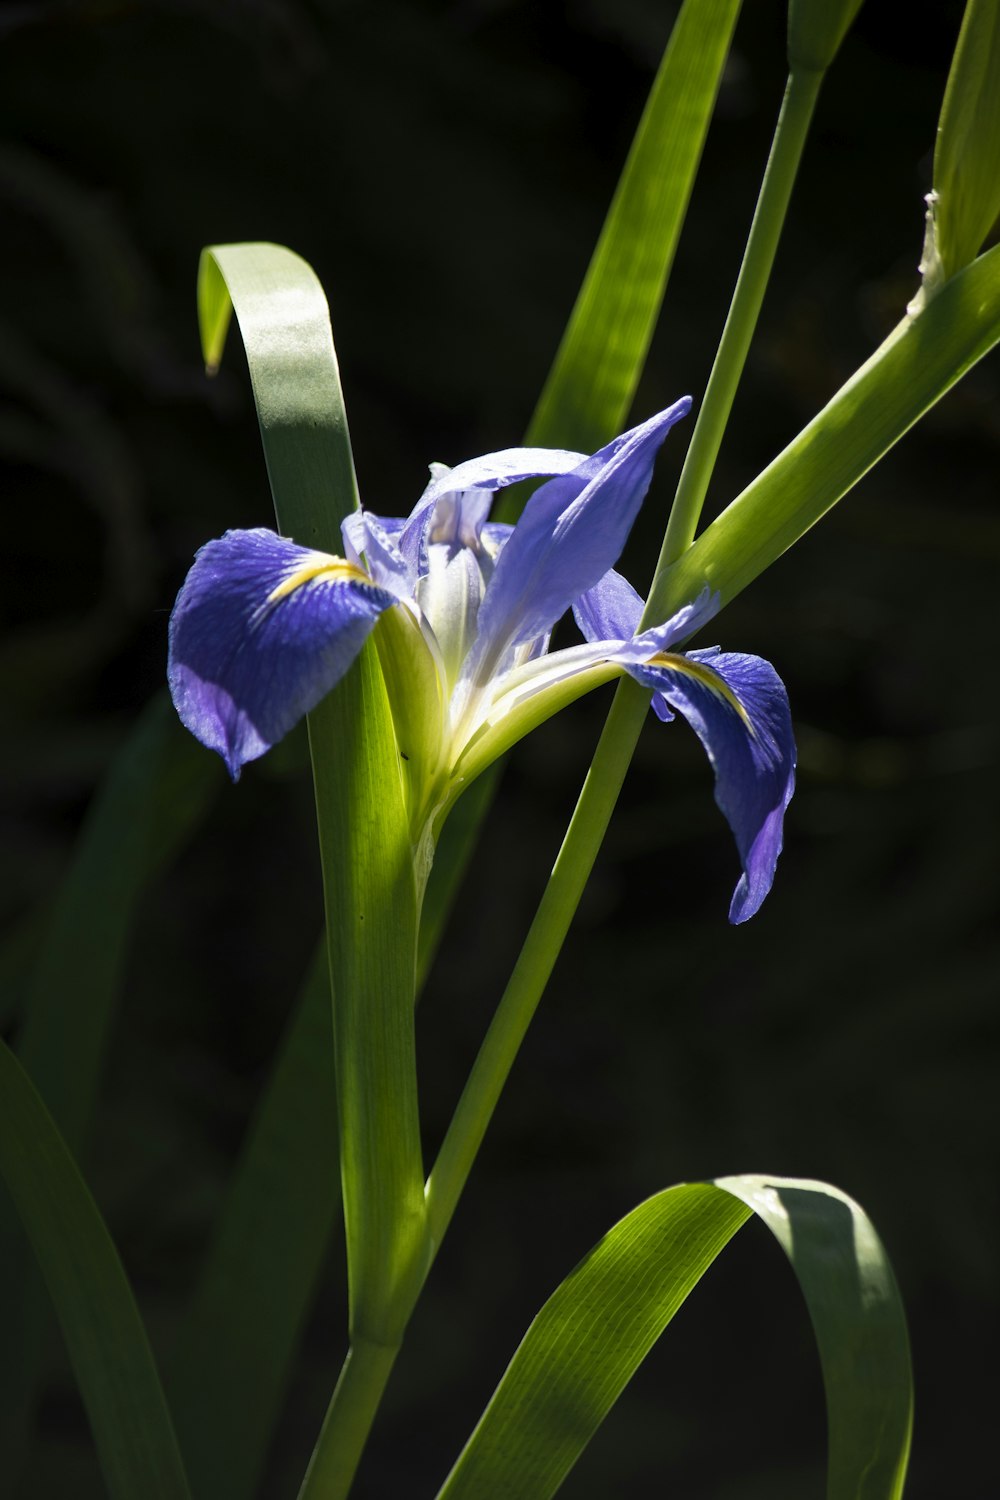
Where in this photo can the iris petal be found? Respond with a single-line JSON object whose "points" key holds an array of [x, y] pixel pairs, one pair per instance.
{"points": [[261, 631], [494, 471], [738, 707], [378, 537], [572, 531], [610, 611]]}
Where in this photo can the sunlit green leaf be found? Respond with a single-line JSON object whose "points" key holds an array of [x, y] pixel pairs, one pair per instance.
{"points": [[816, 29], [593, 1333], [589, 390], [967, 154], [368, 872], [103, 1331]]}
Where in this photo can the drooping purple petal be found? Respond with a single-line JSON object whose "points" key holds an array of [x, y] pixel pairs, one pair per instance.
{"points": [[738, 707], [684, 622], [572, 531], [261, 631]]}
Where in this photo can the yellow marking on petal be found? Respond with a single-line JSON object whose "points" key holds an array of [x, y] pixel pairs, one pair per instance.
{"points": [[709, 679], [320, 566]]}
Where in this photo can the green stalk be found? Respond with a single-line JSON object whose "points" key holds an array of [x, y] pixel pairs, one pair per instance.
{"points": [[538, 955], [366, 1370], [628, 711], [796, 113], [348, 1421]]}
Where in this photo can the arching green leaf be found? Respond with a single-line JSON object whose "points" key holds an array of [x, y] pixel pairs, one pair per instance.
{"points": [[593, 1333]]}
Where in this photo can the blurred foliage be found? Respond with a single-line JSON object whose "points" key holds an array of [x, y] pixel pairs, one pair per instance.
{"points": [[445, 168]]}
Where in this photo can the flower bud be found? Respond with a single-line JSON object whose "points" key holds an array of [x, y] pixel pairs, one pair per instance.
{"points": [[967, 155]]}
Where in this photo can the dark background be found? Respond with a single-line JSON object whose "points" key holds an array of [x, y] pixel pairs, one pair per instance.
{"points": [[445, 168]]}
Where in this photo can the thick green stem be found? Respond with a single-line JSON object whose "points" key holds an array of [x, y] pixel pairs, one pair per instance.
{"points": [[348, 1420], [772, 204], [538, 955], [362, 1381], [621, 731]]}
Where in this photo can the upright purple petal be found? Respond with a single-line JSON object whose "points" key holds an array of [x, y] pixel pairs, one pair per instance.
{"points": [[572, 531], [494, 471], [610, 611], [738, 707], [378, 537], [261, 631]]}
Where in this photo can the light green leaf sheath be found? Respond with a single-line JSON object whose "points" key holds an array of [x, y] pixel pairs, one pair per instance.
{"points": [[100, 1323], [593, 1333], [920, 361], [368, 868]]}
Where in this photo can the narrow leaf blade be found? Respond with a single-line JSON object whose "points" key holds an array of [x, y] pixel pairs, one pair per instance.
{"points": [[230, 1365], [75, 985], [103, 1331], [589, 390], [967, 153]]}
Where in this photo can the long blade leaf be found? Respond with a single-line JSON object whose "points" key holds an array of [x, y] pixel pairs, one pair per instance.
{"points": [[156, 791], [590, 387], [103, 1331], [593, 1333], [230, 1366], [589, 390], [369, 884]]}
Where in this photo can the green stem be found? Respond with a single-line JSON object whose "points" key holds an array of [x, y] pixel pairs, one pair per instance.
{"points": [[348, 1420], [628, 711], [790, 133], [538, 955], [366, 1370]]}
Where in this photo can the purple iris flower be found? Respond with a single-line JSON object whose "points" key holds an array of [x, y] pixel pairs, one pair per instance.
{"points": [[263, 629]]}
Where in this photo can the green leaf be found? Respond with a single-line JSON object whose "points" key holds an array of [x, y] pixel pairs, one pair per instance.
{"points": [[368, 866], [229, 1369], [589, 390], [920, 361], [157, 789], [285, 324], [967, 154], [593, 1333], [816, 29], [103, 1331]]}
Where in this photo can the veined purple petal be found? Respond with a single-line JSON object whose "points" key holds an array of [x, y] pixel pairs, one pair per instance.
{"points": [[261, 631], [494, 471], [738, 707], [378, 537], [610, 611], [688, 619], [572, 531]]}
